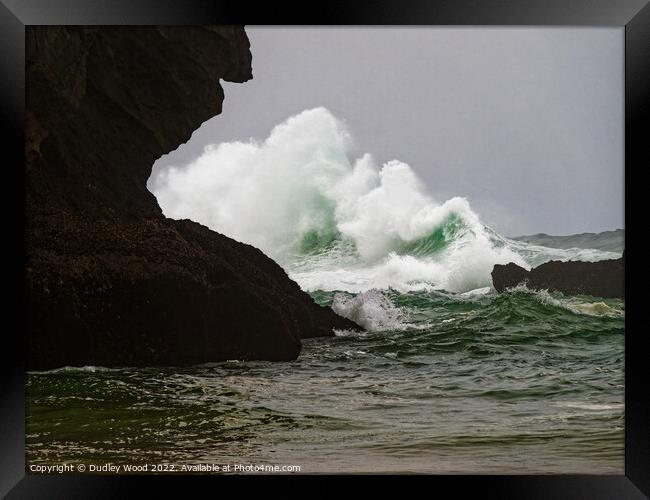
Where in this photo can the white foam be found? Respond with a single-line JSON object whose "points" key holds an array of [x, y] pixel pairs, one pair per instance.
{"points": [[373, 310], [595, 309], [537, 254], [72, 369], [572, 304], [589, 406], [478, 292], [299, 185]]}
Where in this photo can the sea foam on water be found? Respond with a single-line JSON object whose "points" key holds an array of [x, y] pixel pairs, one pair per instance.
{"points": [[335, 223]]}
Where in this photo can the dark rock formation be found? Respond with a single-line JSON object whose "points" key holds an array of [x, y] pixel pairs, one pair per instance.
{"points": [[600, 279], [109, 280]]}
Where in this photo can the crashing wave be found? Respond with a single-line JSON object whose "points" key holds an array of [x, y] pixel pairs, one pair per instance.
{"points": [[339, 224]]}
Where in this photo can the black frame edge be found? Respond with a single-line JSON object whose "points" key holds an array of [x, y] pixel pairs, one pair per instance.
{"points": [[637, 111], [12, 398], [633, 14], [335, 12]]}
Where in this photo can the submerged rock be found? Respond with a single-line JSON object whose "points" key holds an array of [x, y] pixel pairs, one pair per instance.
{"points": [[600, 279], [109, 280]]}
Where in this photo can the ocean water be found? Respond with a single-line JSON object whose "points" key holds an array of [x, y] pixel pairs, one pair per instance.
{"points": [[449, 376], [522, 382]]}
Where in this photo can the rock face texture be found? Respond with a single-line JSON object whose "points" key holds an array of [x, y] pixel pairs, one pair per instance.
{"points": [[605, 278], [108, 279]]}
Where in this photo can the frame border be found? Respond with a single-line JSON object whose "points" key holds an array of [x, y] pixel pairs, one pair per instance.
{"points": [[633, 15]]}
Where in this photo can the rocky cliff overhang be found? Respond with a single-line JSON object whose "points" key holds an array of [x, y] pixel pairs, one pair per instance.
{"points": [[109, 280]]}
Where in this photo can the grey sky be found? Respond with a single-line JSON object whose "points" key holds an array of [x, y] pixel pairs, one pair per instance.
{"points": [[527, 123]]}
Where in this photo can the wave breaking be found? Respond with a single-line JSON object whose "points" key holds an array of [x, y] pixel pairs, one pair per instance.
{"points": [[339, 224]]}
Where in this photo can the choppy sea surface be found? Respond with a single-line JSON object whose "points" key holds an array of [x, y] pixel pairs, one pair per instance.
{"points": [[523, 382], [449, 376]]}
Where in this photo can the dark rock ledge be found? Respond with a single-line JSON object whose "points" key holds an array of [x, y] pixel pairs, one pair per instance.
{"points": [[108, 279], [605, 278]]}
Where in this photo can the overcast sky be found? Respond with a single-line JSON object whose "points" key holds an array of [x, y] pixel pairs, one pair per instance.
{"points": [[526, 123]]}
